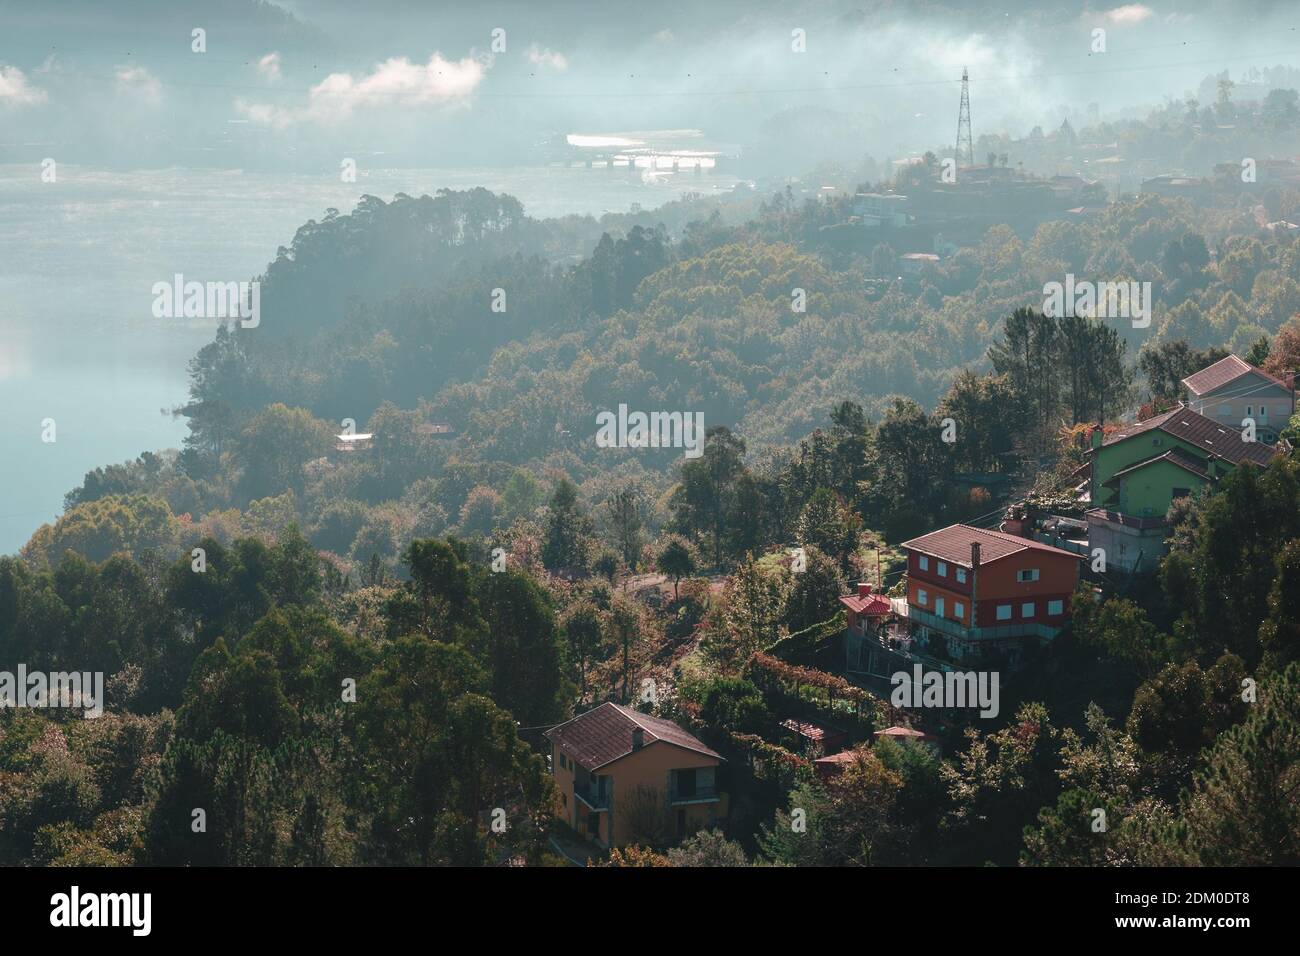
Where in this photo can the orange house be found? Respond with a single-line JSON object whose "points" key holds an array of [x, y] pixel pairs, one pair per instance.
{"points": [[978, 590], [626, 777]]}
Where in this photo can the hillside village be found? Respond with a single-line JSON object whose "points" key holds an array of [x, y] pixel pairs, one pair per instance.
{"points": [[703, 658], [806, 522], [967, 598]]}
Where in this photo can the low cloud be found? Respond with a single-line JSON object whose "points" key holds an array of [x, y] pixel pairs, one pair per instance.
{"points": [[1129, 13], [139, 84], [269, 67], [15, 90], [394, 82], [547, 58], [264, 114]]}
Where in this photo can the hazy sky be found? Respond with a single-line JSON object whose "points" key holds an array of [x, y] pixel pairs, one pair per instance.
{"points": [[296, 84], [203, 163]]}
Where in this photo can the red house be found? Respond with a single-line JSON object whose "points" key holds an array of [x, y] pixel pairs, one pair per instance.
{"points": [[864, 616], [971, 592]]}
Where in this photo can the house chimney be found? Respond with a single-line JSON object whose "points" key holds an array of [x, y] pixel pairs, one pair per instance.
{"points": [[864, 589], [638, 738], [1096, 437], [974, 555]]}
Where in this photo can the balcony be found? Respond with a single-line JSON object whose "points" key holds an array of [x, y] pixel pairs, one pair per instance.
{"points": [[956, 629], [698, 794], [592, 797]]}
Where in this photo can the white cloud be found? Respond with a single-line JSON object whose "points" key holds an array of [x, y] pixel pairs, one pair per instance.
{"points": [[138, 83], [395, 82], [398, 82], [548, 58], [269, 67], [264, 114], [1129, 13], [664, 36], [15, 90]]}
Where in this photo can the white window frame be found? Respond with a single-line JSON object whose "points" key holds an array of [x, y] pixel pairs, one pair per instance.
{"points": [[961, 575], [921, 596], [1004, 608], [958, 610], [942, 568], [1033, 575], [1030, 605], [1055, 608], [923, 561]]}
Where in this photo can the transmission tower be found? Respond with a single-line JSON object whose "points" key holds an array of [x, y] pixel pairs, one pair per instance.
{"points": [[963, 123]]}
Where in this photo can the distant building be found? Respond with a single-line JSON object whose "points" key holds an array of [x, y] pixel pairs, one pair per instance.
{"points": [[1232, 390], [815, 738], [991, 193], [439, 429], [914, 263], [1268, 172], [906, 733], [353, 442], [978, 592], [1075, 190], [1185, 187], [880, 209], [609, 761], [827, 768]]}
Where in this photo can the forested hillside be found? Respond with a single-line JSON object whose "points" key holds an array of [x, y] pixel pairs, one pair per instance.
{"points": [[345, 654]]}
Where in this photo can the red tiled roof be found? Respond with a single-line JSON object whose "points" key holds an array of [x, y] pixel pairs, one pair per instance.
{"points": [[844, 756], [1204, 433], [952, 544], [904, 732], [1225, 370], [604, 734], [1138, 428], [873, 605]]}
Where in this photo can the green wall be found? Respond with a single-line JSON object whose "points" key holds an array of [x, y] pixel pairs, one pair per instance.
{"points": [[1152, 487], [1148, 491]]}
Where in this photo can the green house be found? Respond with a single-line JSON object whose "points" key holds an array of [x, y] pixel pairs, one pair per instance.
{"points": [[1138, 471]]}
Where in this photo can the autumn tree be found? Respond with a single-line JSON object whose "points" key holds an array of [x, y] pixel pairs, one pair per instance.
{"points": [[1284, 351]]}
